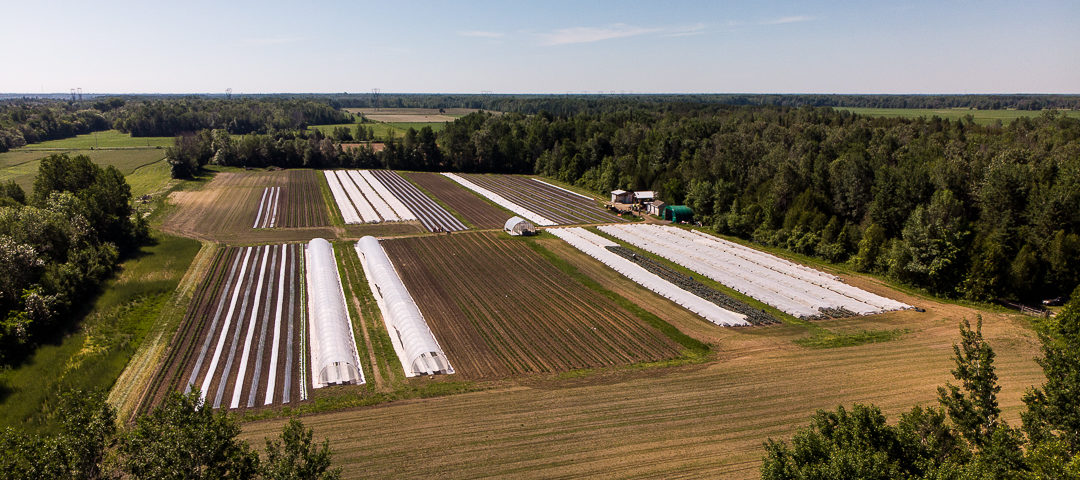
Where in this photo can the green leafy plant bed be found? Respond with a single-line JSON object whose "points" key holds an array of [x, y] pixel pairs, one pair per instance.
{"points": [[827, 339]]}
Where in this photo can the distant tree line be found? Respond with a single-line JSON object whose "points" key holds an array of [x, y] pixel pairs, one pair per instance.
{"points": [[23, 122], [58, 245], [981, 212], [599, 103], [180, 439], [965, 437]]}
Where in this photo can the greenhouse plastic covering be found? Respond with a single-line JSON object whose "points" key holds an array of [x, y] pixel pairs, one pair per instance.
{"points": [[794, 289], [413, 341], [501, 201], [594, 246], [334, 360]]}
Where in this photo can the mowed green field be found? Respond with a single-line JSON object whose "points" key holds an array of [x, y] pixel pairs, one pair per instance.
{"points": [[106, 139], [21, 165], [383, 130], [982, 117]]}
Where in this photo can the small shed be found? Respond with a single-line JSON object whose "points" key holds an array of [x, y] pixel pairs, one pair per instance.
{"points": [[644, 197], [622, 196], [678, 213], [519, 226], [655, 207]]}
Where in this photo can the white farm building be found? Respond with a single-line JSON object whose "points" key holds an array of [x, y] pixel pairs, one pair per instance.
{"points": [[413, 341], [519, 226], [334, 360]]}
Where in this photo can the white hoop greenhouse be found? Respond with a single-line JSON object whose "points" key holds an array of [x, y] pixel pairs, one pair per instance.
{"points": [[413, 341], [334, 360]]}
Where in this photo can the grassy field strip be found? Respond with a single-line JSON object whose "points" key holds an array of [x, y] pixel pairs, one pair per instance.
{"points": [[103, 139], [981, 117]]}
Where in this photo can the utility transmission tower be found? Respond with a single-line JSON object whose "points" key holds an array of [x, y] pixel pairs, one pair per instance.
{"points": [[375, 98], [228, 93], [73, 94], [80, 93]]}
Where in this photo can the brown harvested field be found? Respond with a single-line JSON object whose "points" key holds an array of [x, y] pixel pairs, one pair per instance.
{"points": [[555, 204], [498, 308], [690, 421], [227, 207], [245, 322], [476, 210]]}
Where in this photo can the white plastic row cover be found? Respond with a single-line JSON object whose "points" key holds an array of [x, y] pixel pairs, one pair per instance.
{"points": [[794, 289], [594, 246]]}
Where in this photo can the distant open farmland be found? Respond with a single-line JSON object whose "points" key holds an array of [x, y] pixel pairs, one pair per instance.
{"points": [[411, 114], [22, 165], [383, 130], [982, 117], [498, 308], [105, 139]]}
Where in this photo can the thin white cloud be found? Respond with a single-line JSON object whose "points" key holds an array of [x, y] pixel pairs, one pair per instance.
{"points": [[567, 36], [696, 29], [791, 19], [264, 41], [481, 34]]}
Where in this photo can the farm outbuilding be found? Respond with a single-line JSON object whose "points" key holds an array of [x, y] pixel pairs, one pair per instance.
{"points": [[519, 226], [678, 213], [334, 360], [655, 207], [622, 196], [415, 345]]}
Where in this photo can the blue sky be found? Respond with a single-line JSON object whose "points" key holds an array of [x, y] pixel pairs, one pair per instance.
{"points": [[541, 47]]}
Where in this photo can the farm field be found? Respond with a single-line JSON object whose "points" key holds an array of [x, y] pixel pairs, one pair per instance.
{"points": [[22, 165], [241, 342], [981, 117], [433, 216], [226, 208], [474, 209], [704, 420], [795, 289], [103, 139], [560, 206], [383, 130], [411, 114], [514, 312]]}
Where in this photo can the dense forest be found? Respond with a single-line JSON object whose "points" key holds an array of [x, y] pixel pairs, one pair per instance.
{"points": [[982, 212], [600, 103], [179, 439], [965, 436], [58, 245], [31, 121]]}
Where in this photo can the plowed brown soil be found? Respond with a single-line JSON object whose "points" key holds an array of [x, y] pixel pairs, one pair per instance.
{"points": [[498, 308]]}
